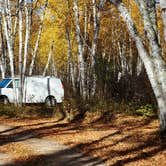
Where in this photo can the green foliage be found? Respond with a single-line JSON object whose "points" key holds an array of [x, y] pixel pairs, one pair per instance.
{"points": [[147, 110]]}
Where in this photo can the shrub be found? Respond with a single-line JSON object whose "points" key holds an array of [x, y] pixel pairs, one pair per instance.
{"points": [[147, 110]]}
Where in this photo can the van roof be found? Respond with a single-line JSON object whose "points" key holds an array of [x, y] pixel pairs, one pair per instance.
{"points": [[35, 76]]}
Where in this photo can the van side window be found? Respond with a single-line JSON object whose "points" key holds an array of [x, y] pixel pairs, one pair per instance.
{"points": [[10, 85], [4, 82], [16, 84]]}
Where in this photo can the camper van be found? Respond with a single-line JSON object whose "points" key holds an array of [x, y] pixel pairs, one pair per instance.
{"points": [[37, 89]]}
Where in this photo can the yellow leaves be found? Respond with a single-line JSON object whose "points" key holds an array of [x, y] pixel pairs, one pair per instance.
{"points": [[60, 13], [53, 29]]}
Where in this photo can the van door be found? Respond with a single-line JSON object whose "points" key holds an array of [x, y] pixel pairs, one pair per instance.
{"points": [[11, 91], [35, 90]]}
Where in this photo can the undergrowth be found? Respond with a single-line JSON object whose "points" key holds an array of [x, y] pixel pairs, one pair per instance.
{"points": [[76, 109], [27, 111], [108, 108]]}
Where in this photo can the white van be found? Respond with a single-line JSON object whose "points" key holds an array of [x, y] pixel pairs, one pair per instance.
{"points": [[37, 89]]}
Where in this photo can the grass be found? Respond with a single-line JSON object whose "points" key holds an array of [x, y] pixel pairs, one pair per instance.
{"points": [[28, 111]]}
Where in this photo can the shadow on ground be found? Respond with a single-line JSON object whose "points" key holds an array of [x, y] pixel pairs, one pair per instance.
{"points": [[146, 144], [62, 158]]}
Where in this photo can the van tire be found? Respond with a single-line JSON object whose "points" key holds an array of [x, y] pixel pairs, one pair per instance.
{"points": [[50, 101], [4, 100]]}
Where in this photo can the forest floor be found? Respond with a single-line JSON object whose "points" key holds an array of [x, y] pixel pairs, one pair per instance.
{"points": [[117, 140]]}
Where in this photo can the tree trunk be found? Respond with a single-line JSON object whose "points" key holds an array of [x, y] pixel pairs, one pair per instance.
{"points": [[7, 23], [150, 24], [96, 25], [80, 51], [54, 69], [2, 58], [49, 59], [70, 61], [20, 52], [139, 66], [27, 38], [85, 27], [38, 39]]}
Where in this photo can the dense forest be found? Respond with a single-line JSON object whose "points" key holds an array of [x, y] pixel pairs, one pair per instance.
{"points": [[102, 50]]}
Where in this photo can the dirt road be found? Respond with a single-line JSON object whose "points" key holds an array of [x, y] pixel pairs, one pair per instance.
{"points": [[44, 152], [115, 141]]}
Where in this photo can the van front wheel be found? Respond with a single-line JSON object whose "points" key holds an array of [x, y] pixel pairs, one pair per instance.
{"points": [[50, 101], [4, 100]]}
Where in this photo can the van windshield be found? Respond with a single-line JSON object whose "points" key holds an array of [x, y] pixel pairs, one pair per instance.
{"points": [[4, 82]]}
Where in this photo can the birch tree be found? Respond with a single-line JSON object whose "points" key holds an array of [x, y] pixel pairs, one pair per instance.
{"points": [[70, 61], [42, 13], [80, 50], [20, 51], [96, 24], [2, 48], [147, 9], [27, 34], [54, 69], [49, 58], [85, 26], [152, 61], [71, 73], [8, 28]]}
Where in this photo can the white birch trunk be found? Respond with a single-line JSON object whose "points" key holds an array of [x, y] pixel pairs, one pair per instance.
{"points": [[85, 27], [2, 58], [96, 25], [9, 41], [2, 69], [20, 36], [27, 38], [150, 24], [70, 62], [54, 69], [7, 23], [49, 59], [80, 51], [148, 63], [123, 60], [38, 38], [20, 51], [139, 66], [9, 18]]}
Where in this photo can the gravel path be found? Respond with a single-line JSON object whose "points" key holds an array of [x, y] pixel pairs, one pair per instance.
{"points": [[49, 152]]}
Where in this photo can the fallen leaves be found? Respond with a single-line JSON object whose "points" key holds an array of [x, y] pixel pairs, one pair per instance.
{"points": [[125, 140]]}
